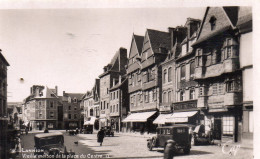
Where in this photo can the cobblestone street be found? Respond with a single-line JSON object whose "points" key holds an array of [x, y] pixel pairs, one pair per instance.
{"points": [[134, 146]]}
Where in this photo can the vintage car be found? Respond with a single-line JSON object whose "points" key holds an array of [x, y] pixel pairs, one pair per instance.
{"points": [[177, 133], [109, 131], [50, 144], [88, 129], [202, 135]]}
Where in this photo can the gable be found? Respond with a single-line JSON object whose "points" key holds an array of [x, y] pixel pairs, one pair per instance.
{"points": [[222, 21], [133, 50], [146, 47]]}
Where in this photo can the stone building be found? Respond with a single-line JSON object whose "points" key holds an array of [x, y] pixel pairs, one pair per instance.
{"points": [[3, 106], [41, 107], [112, 72], [90, 102], [218, 72], [154, 51], [119, 103], [168, 75], [71, 110], [185, 109], [244, 24]]}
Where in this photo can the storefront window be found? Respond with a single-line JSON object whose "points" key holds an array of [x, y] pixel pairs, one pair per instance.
{"points": [[228, 125]]}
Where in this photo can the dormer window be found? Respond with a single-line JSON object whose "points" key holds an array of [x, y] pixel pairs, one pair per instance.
{"points": [[212, 22], [69, 100], [75, 100]]}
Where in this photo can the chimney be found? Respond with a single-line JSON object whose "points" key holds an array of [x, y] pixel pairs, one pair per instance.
{"points": [[63, 93], [56, 89], [171, 30]]}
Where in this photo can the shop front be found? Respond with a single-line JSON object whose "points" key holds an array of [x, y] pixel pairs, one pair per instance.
{"points": [[140, 122], [225, 123]]}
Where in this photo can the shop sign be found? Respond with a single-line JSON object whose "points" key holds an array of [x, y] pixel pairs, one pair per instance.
{"points": [[186, 105], [165, 108]]}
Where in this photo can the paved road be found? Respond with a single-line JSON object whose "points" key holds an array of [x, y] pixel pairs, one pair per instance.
{"points": [[128, 147]]}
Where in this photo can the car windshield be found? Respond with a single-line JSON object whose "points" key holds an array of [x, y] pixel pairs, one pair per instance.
{"points": [[51, 140]]}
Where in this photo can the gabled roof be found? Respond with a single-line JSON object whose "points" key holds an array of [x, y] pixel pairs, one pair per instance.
{"points": [[159, 39], [3, 58], [244, 22], [229, 17], [139, 42]]}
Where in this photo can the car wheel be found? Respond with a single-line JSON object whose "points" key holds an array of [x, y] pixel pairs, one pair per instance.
{"points": [[186, 150]]}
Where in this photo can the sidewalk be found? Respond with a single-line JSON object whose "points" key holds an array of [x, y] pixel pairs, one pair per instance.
{"points": [[136, 134]]}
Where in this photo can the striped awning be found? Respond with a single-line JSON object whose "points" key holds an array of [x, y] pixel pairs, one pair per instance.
{"points": [[180, 117]]}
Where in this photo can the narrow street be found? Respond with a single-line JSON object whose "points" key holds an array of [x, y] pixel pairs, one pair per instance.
{"points": [[128, 146]]}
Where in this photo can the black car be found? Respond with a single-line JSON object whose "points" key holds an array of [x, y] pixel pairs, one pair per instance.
{"points": [[109, 131]]}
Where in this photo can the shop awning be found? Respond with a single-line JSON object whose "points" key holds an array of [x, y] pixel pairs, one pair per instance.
{"points": [[180, 117], [139, 117], [91, 121], [161, 118]]}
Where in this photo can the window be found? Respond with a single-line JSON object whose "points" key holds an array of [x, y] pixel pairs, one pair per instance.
{"points": [[169, 97], [51, 114], [117, 107], [117, 94], [212, 22], [192, 69], [69, 107], [75, 116], [192, 94], [220, 88], [110, 108], [107, 91], [75, 108], [101, 105], [154, 95], [170, 74], [165, 97], [229, 86], [111, 94], [107, 105], [146, 96], [228, 125], [183, 72], [164, 76], [113, 108], [75, 100], [134, 99], [182, 96], [69, 116], [114, 95], [214, 89], [104, 106]]}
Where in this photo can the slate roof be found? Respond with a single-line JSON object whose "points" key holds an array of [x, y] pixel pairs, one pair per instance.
{"points": [[240, 17], [74, 95], [139, 40], [159, 39]]}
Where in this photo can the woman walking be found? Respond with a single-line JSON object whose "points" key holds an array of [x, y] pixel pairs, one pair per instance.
{"points": [[101, 135]]}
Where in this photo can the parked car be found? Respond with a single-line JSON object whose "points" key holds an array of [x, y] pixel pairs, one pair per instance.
{"points": [[109, 131], [177, 133], [88, 129], [201, 135], [50, 144]]}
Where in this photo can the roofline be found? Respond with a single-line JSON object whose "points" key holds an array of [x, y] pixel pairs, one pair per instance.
{"points": [[3, 58], [202, 23]]}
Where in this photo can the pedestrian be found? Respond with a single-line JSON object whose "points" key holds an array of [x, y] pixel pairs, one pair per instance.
{"points": [[100, 136], [169, 149], [26, 130]]}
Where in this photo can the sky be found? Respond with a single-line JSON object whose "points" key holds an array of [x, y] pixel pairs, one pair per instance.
{"points": [[68, 48]]}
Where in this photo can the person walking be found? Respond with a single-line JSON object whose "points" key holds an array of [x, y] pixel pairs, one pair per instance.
{"points": [[101, 135]]}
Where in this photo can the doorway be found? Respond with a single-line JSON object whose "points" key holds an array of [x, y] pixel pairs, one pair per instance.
{"points": [[217, 129]]}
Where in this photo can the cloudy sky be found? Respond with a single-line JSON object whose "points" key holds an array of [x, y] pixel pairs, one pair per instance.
{"points": [[69, 47]]}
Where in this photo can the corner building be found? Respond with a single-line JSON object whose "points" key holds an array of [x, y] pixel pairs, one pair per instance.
{"points": [[218, 73]]}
